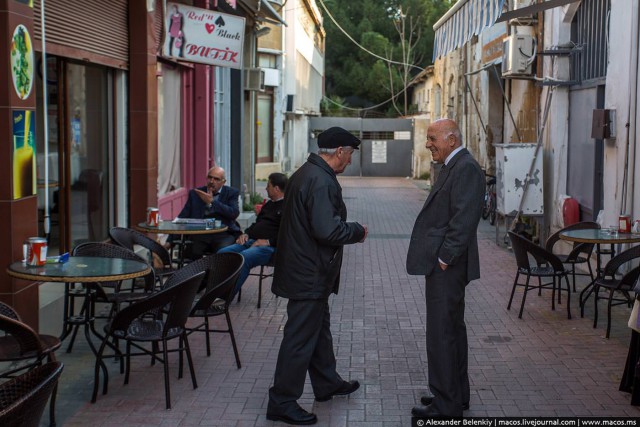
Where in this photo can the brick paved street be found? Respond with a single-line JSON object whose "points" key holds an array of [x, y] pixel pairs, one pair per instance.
{"points": [[542, 364]]}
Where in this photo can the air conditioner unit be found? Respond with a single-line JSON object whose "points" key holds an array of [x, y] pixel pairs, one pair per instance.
{"points": [[517, 55], [253, 79], [519, 4]]}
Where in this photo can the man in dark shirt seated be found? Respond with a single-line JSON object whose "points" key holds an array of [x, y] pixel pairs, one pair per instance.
{"points": [[258, 243], [217, 201]]}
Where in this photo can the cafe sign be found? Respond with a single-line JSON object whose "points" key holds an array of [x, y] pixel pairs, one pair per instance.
{"points": [[205, 36]]}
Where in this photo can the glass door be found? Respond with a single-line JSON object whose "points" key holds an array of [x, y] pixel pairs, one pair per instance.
{"points": [[79, 132]]}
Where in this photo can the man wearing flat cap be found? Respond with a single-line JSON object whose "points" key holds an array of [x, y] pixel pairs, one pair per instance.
{"points": [[313, 231]]}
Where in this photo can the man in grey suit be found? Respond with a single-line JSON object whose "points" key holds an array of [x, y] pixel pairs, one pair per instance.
{"points": [[444, 248]]}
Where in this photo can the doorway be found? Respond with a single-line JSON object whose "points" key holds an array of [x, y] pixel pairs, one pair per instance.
{"points": [[79, 130]]}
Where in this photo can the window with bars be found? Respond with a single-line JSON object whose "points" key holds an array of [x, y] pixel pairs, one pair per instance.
{"points": [[590, 32]]}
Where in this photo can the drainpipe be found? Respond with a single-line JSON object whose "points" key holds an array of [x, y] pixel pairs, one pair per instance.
{"points": [[45, 116], [631, 123]]}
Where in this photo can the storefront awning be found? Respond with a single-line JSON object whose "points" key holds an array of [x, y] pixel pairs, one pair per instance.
{"points": [[262, 9], [464, 20], [469, 17]]}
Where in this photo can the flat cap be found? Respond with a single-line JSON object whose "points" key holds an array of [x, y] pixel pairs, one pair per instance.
{"points": [[335, 137]]}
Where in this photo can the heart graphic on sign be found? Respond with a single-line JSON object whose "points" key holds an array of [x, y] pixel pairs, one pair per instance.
{"points": [[209, 28]]}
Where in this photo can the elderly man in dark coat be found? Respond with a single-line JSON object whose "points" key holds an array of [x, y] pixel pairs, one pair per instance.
{"points": [[307, 270]]}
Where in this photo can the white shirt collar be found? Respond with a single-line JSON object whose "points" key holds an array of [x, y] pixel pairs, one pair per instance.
{"points": [[453, 153]]}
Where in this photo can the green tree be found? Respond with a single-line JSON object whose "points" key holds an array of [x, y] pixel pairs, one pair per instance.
{"points": [[363, 75]]}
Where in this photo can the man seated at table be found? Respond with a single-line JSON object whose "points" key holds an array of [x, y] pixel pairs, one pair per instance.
{"points": [[258, 243], [214, 200]]}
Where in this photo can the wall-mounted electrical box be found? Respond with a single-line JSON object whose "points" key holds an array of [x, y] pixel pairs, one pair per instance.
{"points": [[603, 124], [517, 55]]}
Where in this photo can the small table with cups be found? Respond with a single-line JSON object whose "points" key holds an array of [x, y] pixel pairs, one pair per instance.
{"points": [[184, 227], [599, 236]]}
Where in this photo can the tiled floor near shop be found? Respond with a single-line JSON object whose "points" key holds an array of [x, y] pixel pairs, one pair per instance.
{"points": [[542, 364]]}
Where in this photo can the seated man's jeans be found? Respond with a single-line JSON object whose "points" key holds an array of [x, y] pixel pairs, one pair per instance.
{"points": [[253, 256]]}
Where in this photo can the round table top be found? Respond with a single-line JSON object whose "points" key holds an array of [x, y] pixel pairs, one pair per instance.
{"points": [[170, 227], [81, 269], [597, 235]]}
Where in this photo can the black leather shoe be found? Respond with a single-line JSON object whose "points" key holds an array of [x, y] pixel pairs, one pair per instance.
{"points": [[347, 387], [296, 417], [425, 412], [426, 400]]}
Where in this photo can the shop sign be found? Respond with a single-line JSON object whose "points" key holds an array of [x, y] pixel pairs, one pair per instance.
{"points": [[204, 36], [24, 153], [22, 61], [492, 38]]}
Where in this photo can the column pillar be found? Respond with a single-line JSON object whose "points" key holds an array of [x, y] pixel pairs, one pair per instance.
{"points": [[143, 113], [19, 215]]}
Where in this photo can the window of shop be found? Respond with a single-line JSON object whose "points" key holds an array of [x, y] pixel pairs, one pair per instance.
{"points": [[169, 130]]}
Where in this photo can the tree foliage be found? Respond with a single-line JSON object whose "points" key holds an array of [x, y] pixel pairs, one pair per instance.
{"points": [[364, 78]]}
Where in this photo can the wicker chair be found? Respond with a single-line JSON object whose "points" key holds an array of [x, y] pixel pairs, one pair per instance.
{"points": [[23, 398], [622, 286], [127, 238], [22, 344], [262, 275], [116, 298], [222, 274], [142, 322], [580, 253], [548, 266]]}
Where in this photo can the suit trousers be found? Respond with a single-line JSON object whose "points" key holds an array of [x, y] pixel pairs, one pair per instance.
{"points": [[307, 345], [447, 348]]}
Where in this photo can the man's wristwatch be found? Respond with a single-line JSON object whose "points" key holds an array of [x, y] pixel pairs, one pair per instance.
{"points": [[209, 205]]}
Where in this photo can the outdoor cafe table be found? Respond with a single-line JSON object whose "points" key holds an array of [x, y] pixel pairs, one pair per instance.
{"points": [[597, 236], [182, 229], [604, 237], [79, 269]]}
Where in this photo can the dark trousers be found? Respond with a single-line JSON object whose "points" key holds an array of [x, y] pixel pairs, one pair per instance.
{"points": [[447, 348], [208, 243], [307, 345]]}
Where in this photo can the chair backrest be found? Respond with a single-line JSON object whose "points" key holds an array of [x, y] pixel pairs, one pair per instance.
{"points": [[181, 274], [107, 250], [622, 258], [7, 310], [127, 238], [26, 338], [522, 248], [177, 299], [224, 270], [23, 398], [584, 225]]}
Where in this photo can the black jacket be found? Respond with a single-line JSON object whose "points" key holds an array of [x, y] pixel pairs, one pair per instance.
{"points": [[312, 233]]}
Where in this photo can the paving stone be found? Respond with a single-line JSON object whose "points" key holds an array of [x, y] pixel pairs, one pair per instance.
{"points": [[541, 365]]}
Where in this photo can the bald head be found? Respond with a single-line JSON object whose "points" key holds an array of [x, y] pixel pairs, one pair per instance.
{"points": [[215, 179], [443, 136]]}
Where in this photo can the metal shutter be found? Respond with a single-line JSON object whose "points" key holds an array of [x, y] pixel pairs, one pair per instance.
{"points": [[94, 30]]}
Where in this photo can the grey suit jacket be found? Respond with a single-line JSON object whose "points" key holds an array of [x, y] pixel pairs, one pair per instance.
{"points": [[447, 225]]}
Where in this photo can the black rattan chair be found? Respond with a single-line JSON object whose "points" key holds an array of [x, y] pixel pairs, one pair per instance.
{"points": [[143, 322], [262, 275], [622, 286], [100, 295], [222, 274], [25, 347], [580, 253], [547, 266], [23, 398], [127, 238]]}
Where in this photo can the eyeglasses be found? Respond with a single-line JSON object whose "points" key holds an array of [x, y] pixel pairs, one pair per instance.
{"points": [[215, 178]]}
